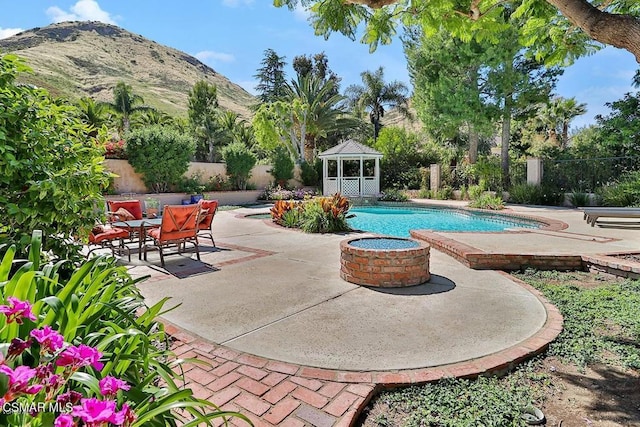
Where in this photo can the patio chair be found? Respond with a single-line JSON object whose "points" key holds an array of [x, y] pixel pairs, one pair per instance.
{"points": [[208, 210], [124, 211], [179, 226], [105, 237]]}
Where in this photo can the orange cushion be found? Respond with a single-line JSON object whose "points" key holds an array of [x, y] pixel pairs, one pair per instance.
{"points": [[133, 206], [97, 229], [109, 234]]}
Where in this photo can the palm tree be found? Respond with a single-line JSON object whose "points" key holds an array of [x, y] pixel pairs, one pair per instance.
{"points": [[556, 118], [316, 111], [375, 95], [94, 114], [151, 117], [125, 103]]}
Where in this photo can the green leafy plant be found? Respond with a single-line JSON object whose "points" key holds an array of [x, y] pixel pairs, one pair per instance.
{"points": [[445, 193], [98, 321], [239, 162], [487, 201], [280, 209], [475, 191], [624, 192], [393, 195], [192, 184], [51, 171], [309, 172], [218, 183], [526, 194], [282, 170], [578, 198], [161, 154], [325, 215]]}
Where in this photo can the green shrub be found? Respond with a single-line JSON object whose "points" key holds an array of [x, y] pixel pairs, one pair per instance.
{"points": [[624, 192], [218, 183], [161, 154], [393, 195], [325, 215], [487, 201], [578, 199], [424, 193], [526, 194], [51, 171], [99, 306], [309, 173], [191, 184], [282, 170], [475, 191], [445, 193], [239, 162]]}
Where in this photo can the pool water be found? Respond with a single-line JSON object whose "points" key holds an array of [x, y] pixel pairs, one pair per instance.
{"points": [[383, 243], [398, 221]]}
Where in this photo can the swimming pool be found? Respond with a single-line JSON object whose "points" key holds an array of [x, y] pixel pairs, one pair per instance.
{"points": [[397, 221]]}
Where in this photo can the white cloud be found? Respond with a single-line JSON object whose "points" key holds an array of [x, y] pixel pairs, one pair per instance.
{"points": [[83, 10], [211, 56], [8, 32], [236, 3]]}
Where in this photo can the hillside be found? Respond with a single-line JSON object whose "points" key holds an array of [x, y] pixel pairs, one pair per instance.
{"points": [[76, 59]]}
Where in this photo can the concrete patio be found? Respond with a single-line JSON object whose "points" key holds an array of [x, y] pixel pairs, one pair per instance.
{"points": [[271, 299]]}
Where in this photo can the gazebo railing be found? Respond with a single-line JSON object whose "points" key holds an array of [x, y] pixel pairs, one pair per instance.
{"points": [[351, 186]]}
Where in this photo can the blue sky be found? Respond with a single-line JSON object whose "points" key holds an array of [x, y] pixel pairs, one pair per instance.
{"points": [[231, 36]]}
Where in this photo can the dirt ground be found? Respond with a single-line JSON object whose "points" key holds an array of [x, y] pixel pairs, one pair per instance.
{"points": [[600, 396]]}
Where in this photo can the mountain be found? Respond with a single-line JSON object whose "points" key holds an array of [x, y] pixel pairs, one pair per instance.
{"points": [[77, 59]]}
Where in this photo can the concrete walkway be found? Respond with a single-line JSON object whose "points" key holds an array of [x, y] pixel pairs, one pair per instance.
{"points": [[290, 343]]}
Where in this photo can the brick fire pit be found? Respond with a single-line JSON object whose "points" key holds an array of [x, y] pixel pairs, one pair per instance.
{"points": [[384, 261]]}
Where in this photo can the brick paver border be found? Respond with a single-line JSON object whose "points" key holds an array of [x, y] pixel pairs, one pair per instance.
{"points": [[275, 393]]}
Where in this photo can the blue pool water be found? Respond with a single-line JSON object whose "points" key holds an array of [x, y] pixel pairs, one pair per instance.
{"points": [[383, 243], [398, 221]]}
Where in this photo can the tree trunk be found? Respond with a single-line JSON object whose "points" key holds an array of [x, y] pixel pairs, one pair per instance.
{"points": [[474, 139], [622, 31], [565, 134], [309, 148], [506, 137]]}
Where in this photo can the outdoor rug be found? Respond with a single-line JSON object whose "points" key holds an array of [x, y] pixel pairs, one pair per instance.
{"points": [[186, 267]]}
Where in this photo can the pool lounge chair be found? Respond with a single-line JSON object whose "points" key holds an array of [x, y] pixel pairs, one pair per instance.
{"points": [[591, 215]]}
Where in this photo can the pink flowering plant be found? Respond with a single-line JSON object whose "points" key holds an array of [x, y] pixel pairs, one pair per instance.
{"points": [[85, 350]]}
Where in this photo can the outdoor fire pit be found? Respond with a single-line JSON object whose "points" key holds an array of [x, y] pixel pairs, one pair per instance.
{"points": [[384, 261]]}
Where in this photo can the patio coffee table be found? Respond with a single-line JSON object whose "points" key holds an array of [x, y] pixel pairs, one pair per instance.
{"points": [[141, 226]]}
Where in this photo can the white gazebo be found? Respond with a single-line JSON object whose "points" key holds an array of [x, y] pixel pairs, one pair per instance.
{"points": [[351, 169]]}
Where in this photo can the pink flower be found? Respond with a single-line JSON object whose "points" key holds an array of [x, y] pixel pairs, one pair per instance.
{"points": [[64, 420], [17, 347], [70, 396], [16, 310], [109, 385], [80, 356], [19, 382], [49, 339], [128, 415], [93, 411]]}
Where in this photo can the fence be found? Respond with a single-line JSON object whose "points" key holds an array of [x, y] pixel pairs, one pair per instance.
{"points": [[585, 175]]}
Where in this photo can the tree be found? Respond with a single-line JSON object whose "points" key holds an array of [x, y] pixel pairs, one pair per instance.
{"points": [[160, 154], [93, 114], [271, 77], [151, 117], [451, 91], [620, 130], [375, 95], [317, 65], [613, 22], [240, 161], [203, 112], [51, 171], [125, 103], [556, 117]]}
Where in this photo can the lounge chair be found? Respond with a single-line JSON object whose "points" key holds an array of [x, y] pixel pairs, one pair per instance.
{"points": [[592, 214]]}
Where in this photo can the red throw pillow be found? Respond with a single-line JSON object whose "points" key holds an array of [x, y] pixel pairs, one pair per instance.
{"points": [[124, 215]]}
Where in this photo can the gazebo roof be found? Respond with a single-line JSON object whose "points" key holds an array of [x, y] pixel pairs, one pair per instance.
{"points": [[350, 148]]}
